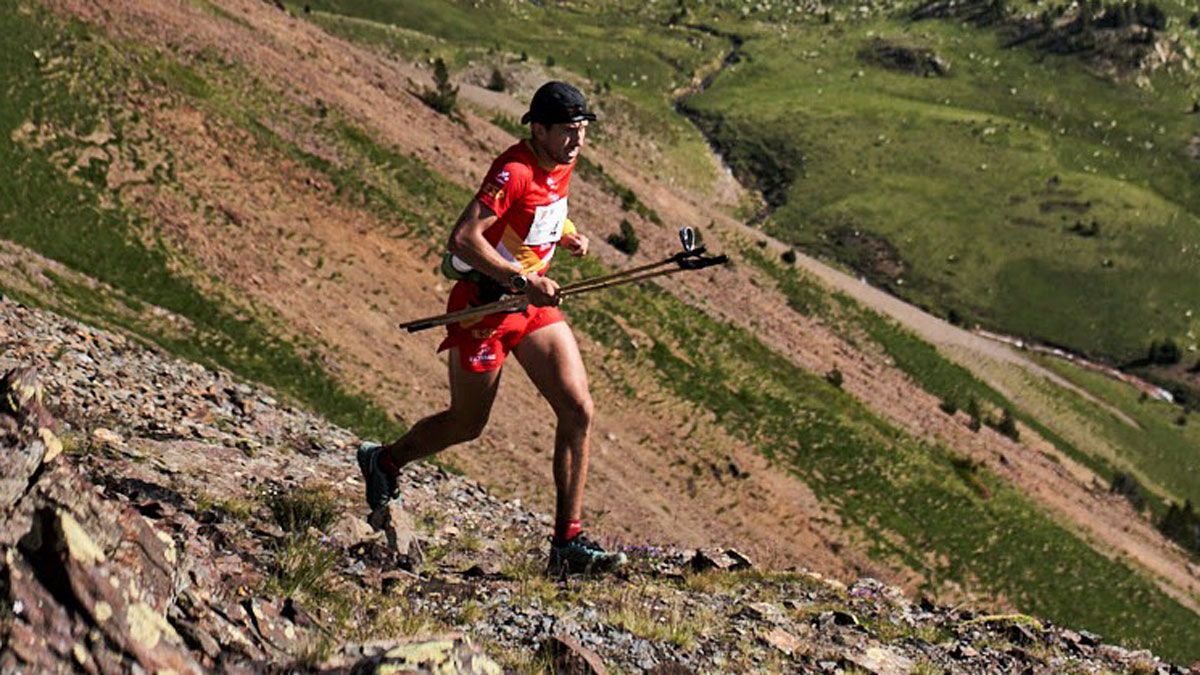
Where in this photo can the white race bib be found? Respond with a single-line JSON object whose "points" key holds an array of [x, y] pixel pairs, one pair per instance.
{"points": [[547, 224]]}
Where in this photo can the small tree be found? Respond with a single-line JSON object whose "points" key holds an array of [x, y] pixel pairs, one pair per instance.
{"points": [[1128, 487], [627, 240], [1007, 425], [972, 409], [835, 378], [1165, 353], [497, 83], [1182, 524], [444, 96]]}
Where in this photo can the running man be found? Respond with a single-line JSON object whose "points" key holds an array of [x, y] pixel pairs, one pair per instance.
{"points": [[502, 244]]}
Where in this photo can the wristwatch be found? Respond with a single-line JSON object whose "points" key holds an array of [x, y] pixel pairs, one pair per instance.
{"points": [[518, 282]]}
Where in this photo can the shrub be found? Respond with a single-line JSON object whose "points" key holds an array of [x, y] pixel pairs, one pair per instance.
{"points": [[497, 82], [949, 407], [834, 377], [1088, 231], [972, 410], [626, 241], [444, 96], [1164, 353], [1182, 525], [789, 256], [1128, 487], [303, 566], [629, 200], [298, 510], [967, 470], [549, 61], [1007, 425], [1150, 15]]}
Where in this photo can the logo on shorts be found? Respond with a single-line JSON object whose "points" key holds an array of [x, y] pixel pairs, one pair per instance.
{"points": [[485, 356], [502, 177]]}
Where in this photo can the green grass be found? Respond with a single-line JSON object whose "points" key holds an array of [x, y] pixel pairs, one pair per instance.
{"points": [[952, 178], [956, 386], [394, 41], [804, 294], [631, 59], [910, 499], [64, 219], [1159, 452]]}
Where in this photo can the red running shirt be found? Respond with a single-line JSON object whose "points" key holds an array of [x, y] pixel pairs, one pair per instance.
{"points": [[531, 203]]}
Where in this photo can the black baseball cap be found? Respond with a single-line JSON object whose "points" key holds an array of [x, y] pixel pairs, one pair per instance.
{"points": [[557, 102]]}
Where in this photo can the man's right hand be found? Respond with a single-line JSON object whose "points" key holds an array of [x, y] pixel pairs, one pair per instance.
{"points": [[542, 291]]}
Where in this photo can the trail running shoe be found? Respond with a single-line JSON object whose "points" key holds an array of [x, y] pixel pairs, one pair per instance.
{"points": [[381, 488], [583, 556]]}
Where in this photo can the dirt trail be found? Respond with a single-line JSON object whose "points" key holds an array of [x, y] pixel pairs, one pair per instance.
{"points": [[642, 468]]}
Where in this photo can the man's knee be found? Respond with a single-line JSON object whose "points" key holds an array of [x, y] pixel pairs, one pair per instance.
{"points": [[467, 427], [577, 412]]}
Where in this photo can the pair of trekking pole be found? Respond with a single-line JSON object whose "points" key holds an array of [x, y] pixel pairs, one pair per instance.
{"points": [[691, 258]]}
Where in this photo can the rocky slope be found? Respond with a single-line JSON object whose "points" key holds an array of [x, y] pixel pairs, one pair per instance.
{"points": [[161, 515], [277, 233], [274, 232]]}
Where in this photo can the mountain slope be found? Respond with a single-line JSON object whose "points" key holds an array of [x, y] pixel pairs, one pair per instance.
{"points": [[206, 527], [304, 186]]}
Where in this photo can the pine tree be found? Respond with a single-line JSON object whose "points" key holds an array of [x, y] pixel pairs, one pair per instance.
{"points": [[1007, 425], [497, 83], [444, 96]]}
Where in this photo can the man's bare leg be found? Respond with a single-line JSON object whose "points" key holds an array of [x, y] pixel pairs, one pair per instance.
{"points": [[551, 357], [471, 398]]}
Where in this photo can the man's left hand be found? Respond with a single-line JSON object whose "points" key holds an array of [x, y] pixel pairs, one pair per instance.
{"points": [[576, 243]]}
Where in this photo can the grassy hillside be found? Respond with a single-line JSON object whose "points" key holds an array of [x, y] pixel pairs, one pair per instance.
{"points": [[62, 78], [1019, 189], [618, 51], [916, 504], [911, 503], [1158, 450]]}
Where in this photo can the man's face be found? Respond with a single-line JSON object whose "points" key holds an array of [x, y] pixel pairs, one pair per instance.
{"points": [[560, 142]]}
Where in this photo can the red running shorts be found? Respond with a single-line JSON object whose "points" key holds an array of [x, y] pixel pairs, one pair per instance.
{"points": [[484, 343]]}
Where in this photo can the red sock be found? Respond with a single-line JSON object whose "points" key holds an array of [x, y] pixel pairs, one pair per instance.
{"points": [[388, 465], [566, 531]]}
